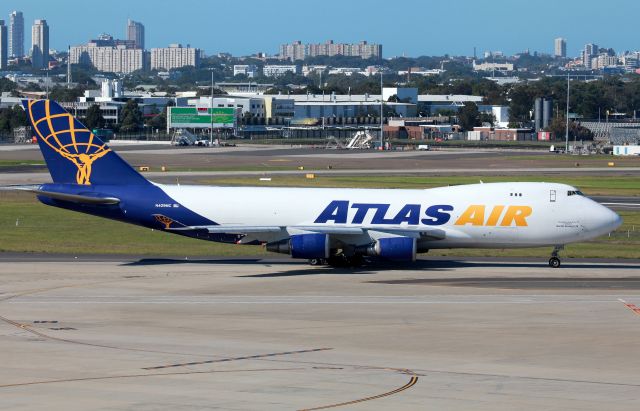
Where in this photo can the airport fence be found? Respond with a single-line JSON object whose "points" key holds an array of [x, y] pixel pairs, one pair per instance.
{"points": [[141, 136], [626, 233], [301, 133]]}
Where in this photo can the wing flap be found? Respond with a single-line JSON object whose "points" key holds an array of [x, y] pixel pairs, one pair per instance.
{"points": [[229, 229], [329, 229]]}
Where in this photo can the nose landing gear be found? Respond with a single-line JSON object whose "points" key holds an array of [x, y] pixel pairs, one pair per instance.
{"points": [[554, 261]]}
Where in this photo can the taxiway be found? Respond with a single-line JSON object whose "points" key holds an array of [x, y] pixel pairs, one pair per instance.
{"points": [[121, 333]]}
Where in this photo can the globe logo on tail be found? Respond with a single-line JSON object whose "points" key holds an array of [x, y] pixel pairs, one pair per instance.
{"points": [[164, 220], [67, 137]]}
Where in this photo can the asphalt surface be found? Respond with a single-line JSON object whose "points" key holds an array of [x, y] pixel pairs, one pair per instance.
{"points": [[289, 158], [247, 334]]}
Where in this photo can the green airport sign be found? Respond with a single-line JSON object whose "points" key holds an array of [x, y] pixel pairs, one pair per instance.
{"points": [[199, 117]]}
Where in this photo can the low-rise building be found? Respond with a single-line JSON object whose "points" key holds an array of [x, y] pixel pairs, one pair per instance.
{"points": [[279, 107], [503, 134], [244, 87], [403, 94], [347, 71], [276, 70], [308, 69], [492, 66], [602, 61], [336, 110], [627, 150], [249, 70], [419, 71], [246, 106]]}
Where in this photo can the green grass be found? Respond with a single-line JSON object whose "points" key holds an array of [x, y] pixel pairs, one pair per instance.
{"points": [[590, 185], [27, 226], [406, 142], [542, 145], [260, 167], [592, 160]]}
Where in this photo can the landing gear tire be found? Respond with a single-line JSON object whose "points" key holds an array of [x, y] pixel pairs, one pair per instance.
{"points": [[316, 261], [554, 262]]}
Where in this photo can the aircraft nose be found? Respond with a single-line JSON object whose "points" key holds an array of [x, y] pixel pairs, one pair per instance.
{"points": [[609, 220]]}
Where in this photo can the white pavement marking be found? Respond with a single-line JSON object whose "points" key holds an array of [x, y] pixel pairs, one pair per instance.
{"points": [[335, 300]]}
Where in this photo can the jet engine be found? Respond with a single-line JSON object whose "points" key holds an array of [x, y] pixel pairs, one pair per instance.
{"points": [[394, 248], [309, 246]]}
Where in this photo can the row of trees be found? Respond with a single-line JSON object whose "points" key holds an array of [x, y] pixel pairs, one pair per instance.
{"points": [[589, 99], [131, 118], [12, 118]]}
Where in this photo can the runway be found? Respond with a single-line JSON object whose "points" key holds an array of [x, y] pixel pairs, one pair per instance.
{"points": [[99, 333]]}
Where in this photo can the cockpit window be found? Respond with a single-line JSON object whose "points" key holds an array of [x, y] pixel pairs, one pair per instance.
{"points": [[574, 193]]}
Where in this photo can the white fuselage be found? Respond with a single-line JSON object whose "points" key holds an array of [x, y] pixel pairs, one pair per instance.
{"points": [[492, 215]]}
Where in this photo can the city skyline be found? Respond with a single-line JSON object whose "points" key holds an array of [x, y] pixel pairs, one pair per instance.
{"points": [[425, 31]]}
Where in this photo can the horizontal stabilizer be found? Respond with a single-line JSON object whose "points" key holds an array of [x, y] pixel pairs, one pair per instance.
{"points": [[74, 198]]}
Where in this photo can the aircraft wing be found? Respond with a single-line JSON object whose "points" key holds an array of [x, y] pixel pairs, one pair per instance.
{"points": [[230, 229], [435, 234], [74, 198]]}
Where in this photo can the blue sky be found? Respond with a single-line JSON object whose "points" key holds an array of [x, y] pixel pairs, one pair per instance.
{"points": [[410, 27]]}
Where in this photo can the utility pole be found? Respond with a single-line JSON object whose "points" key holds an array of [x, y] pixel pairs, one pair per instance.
{"points": [[69, 67], [381, 112], [211, 111], [47, 71], [566, 135]]}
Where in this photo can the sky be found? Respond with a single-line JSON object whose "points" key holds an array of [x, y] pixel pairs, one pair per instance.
{"points": [[409, 27]]}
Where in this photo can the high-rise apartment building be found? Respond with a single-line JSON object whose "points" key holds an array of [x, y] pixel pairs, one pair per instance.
{"points": [[174, 56], [40, 44], [4, 43], [560, 47], [135, 33], [16, 34], [294, 51], [299, 51], [110, 59], [590, 51]]}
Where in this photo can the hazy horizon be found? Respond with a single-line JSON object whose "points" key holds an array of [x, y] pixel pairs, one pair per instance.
{"points": [[427, 28]]}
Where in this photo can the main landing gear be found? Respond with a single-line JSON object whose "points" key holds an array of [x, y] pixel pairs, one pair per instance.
{"points": [[554, 261], [339, 260]]}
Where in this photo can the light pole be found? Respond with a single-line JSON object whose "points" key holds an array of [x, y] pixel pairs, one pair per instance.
{"points": [[566, 135], [47, 82], [211, 111], [381, 112]]}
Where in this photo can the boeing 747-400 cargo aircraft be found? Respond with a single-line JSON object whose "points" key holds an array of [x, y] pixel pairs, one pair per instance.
{"points": [[338, 226]]}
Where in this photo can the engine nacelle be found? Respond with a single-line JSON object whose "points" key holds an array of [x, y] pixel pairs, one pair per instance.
{"points": [[307, 246], [394, 248]]}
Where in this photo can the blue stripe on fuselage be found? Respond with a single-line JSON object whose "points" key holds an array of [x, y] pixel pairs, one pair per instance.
{"points": [[139, 204]]}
